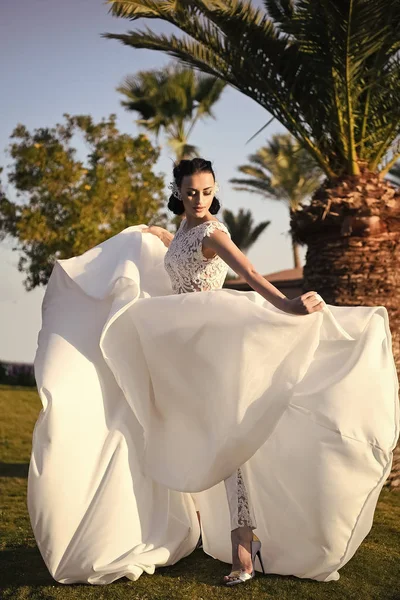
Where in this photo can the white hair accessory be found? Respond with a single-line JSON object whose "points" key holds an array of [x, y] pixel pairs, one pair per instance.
{"points": [[175, 190]]}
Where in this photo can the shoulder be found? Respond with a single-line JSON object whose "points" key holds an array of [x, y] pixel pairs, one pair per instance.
{"points": [[208, 227]]}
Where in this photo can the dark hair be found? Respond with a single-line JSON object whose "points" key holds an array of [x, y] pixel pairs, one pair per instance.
{"points": [[190, 167]]}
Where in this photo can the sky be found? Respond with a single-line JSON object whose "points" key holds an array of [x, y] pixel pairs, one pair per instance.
{"points": [[57, 62]]}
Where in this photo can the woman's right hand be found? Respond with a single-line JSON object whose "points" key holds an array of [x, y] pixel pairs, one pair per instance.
{"points": [[304, 305]]}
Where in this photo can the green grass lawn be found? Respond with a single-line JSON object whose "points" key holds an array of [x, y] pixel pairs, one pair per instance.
{"points": [[372, 574]]}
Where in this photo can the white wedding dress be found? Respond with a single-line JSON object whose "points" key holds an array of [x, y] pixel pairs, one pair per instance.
{"points": [[153, 396]]}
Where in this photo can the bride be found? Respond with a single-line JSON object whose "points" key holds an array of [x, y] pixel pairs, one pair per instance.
{"points": [[197, 261], [256, 411]]}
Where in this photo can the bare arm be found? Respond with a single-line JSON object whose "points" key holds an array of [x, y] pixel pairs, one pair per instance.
{"points": [[221, 243]]}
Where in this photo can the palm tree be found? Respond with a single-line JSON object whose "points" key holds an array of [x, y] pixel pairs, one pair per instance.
{"points": [[242, 231], [282, 170], [329, 73], [172, 99], [240, 226]]}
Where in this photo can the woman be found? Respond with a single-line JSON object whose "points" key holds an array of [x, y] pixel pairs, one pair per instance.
{"points": [[259, 411], [194, 190]]}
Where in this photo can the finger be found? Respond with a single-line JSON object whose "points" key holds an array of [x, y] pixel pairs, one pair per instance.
{"points": [[309, 303], [319, 299], [308, 294], [315, 298], [318, 306]]}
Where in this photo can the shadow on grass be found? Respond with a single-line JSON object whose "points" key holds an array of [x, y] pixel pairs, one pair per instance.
{"points": [[199, 567], [24, 566], [14, 470]]}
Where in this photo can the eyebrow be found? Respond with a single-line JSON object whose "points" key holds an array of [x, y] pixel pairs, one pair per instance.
{"points": [[206, 188]]}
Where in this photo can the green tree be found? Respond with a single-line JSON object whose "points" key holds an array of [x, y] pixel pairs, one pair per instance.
{"points": [[243, 232], [329, 73], [64, 207], [284, 171], [172, 99]]}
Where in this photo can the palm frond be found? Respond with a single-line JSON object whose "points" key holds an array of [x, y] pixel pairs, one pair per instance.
{"points": [[213, 52], [208, 91], [241, 228], [260, 130], [182, 149], [327, 71], [254, 187], [282, 171], [173, 98]]}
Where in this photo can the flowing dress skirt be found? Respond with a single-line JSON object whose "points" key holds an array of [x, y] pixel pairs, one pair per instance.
{"points": [[149, 396]]}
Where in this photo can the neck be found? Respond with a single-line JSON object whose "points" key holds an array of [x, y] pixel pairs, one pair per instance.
{"points": [[192, 221]]}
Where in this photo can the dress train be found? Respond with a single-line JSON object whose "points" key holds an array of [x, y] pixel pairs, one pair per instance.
{"points": [[149, 396]]}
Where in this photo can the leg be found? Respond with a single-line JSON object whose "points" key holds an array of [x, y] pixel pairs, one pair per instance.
{"points": [[199, 543], [193, 495], [242, 522], [240, 508]]}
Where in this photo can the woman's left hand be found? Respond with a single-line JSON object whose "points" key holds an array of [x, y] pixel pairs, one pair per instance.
{"points": [[154, 229], [163, 234]]}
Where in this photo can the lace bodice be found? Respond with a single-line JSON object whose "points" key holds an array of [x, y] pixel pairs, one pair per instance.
{"points": [[188, 268]]}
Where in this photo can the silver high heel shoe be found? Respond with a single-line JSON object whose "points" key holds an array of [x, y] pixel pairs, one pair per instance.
{"points": [[241, 576]]}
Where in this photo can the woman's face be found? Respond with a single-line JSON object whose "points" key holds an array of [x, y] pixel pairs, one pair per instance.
{"points": [[197, 192]]}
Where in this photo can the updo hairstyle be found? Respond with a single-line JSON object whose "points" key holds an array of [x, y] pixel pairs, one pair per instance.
{"points": [[190, 167]]}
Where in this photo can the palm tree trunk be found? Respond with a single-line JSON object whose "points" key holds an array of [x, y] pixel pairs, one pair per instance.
{"points": [[352, 231]]}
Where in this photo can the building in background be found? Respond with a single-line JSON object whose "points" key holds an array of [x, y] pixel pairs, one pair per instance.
{"points": [[288, 281]]}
